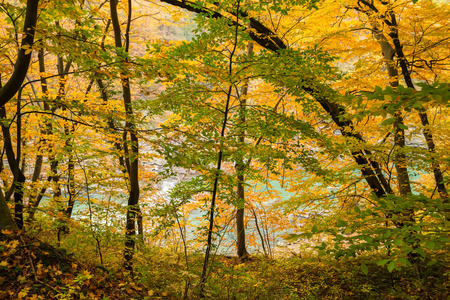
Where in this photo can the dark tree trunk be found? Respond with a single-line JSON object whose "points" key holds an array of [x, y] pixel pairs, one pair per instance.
{"points": [[18, 176], [6, 220], [389, 52], [240, 169], [47, 129], [23, 58], [132, 159]]}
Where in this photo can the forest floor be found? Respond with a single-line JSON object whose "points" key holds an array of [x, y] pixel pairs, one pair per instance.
{"points": [[33, 269]]}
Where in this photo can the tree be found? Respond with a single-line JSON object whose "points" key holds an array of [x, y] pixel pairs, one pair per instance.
{"points": [[12, 86], [312, 83], [132, 160]]}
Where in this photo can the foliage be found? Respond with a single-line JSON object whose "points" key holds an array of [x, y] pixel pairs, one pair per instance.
{"points": [[330, 133], [31, 268]]}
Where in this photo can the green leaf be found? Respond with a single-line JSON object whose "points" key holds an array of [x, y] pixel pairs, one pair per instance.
{"points": [[398, 242], [403, 261], [341, 223], [364, 269], [293, 237], [383, 262], [430, 245], [368, 239], [388, 121], [432, 262], [420, 251], [378, 90], [391, 266], [403, 126]]}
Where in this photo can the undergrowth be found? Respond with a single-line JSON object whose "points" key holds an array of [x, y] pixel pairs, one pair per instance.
{"points": [[36, 268]]}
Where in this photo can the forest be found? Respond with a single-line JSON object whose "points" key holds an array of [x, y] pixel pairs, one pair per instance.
{"points": [[226, 149]]}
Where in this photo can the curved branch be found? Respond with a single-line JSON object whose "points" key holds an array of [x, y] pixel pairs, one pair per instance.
{"points": [[24, 55]]}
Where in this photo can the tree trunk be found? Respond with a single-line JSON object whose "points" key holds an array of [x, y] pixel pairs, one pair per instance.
{"points": [[68, 133], [24, 54], [217, 173], [18, 176], [240, 169], [437, 172], [6, 220], [389, 52], [240, 223], [47, 129], [403, 181], [132, 159]]}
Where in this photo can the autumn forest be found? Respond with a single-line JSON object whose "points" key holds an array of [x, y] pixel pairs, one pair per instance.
{"points": [[231, 149]]}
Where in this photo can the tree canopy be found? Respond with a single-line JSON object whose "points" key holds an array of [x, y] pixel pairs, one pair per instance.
{"points": [[232, 124]]}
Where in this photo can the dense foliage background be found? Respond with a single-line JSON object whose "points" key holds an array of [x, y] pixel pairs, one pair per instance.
{"points": [[224, 149]]}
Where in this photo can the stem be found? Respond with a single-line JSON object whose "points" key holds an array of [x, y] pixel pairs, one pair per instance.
{"points": [[219, 165]]}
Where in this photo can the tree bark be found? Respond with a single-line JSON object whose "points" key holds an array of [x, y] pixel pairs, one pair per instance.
{"points": [[24, 54], [6, 220], [218, 169], [46, 130], [132, 160], [389, 52], [240, 169], [18, 176], [403, 180]]}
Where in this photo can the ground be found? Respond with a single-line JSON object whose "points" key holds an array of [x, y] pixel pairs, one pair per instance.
{"points": [[32, 269]]}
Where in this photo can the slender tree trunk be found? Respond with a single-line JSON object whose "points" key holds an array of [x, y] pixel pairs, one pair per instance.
{"points": [[6, 219], [240, 222], [213, 201], [263, 241], [18, 176], [46, 130], [39, 157], [389, 52], [70, 179], [37, 167], [240, 169], [406, 217], [68, 133], [218, 169], [403, 180], [437, 172], [132, 159]]}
